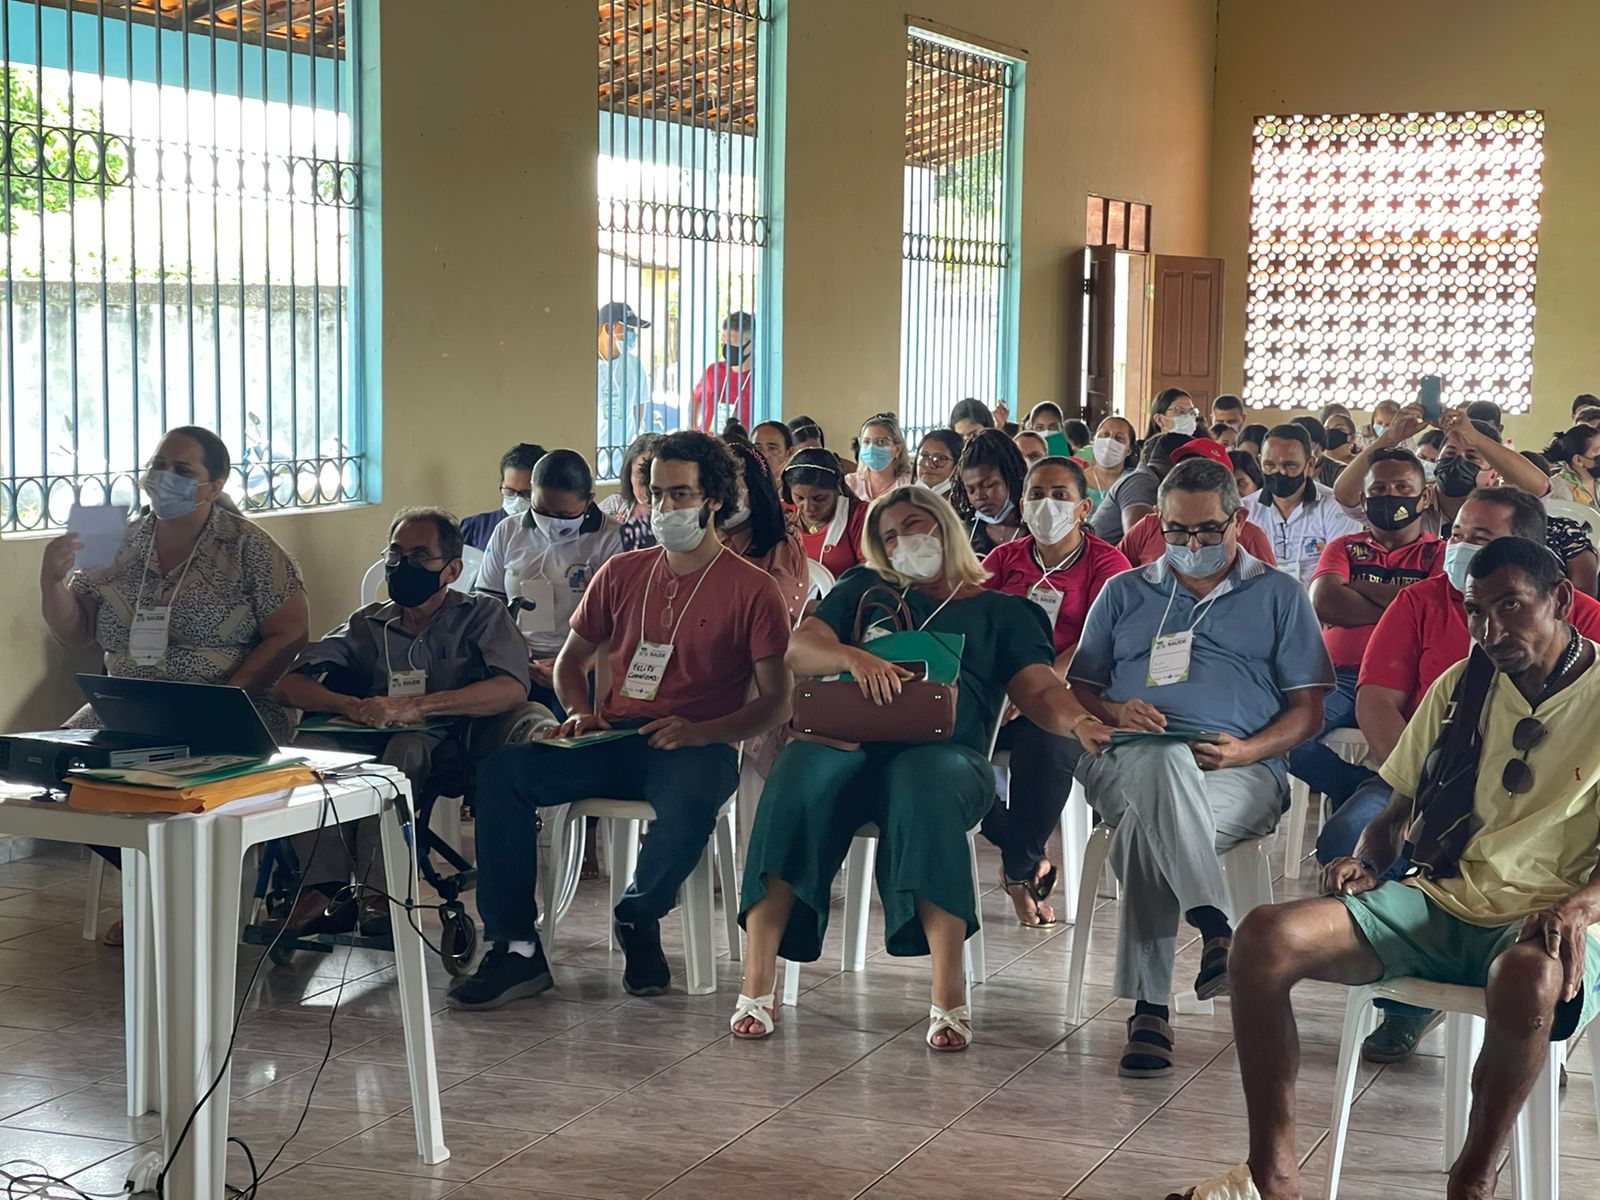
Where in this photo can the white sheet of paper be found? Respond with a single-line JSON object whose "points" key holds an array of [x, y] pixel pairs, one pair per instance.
{"points": [[100, 527]]}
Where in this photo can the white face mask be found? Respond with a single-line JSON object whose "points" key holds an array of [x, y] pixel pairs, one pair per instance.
{"points": [[1108, 452], [515, 506], [940, 489], [1050, 520], [680, 530], [1184, 424], [918, 556], [740, 516], [557, 528]]}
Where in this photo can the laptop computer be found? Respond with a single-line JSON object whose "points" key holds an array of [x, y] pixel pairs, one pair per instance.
{"points": [[208, 718]]}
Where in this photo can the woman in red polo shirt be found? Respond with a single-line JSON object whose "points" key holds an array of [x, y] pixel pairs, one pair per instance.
{"points": [[1061, 567], [830, 515]]}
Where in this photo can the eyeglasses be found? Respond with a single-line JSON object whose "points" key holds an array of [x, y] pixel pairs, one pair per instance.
{"points": [[419, 557], [1517, 778], [1206, 535], [678, 495], [526, 493], [935, 460]]}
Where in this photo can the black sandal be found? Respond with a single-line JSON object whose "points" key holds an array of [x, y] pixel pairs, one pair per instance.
{"points": [[1148, 1054], [1037, 892], [1213, 977]]}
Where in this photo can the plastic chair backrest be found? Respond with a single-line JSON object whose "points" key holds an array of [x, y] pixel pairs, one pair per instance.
{"points": [[821, 577], [1581, 513], [471, 560], [370, 583]]}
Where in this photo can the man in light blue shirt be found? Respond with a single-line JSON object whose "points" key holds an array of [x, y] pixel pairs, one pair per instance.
{"points": [[1209, 639], [622, 389]]}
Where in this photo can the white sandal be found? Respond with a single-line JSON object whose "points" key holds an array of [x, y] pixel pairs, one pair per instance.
{"points": [[956, 1020], [759, 1007], [1237, 1184]]}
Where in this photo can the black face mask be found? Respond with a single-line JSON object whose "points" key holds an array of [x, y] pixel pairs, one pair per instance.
{"points": [[1456, 475], [1391, 513], [1283, 486], [735, 353], [411, 586]]}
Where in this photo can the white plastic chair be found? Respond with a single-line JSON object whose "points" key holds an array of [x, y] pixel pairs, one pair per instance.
{"points": [[1536, 1142], [1349, 744], [821, 578], [471, 560], [1247, 870]]}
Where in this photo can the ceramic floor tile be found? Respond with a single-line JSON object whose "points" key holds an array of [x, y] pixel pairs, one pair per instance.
{"points": [[653, 1117], [371, 1089], [97, 1111], [564, 1059], [83, 1057], [585, 1166], [533, 1106], [1127, 1175], [912, 1101], [475, 1146], [479, 1191], [730, 1175], [957, 1164], [60, 1153], [314, 1179]]}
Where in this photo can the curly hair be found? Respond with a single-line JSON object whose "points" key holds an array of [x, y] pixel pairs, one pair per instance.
{"points": [[989, 448], [719, 472]]}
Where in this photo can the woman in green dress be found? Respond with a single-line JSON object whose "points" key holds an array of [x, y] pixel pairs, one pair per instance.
{"points": [[923, 796]]}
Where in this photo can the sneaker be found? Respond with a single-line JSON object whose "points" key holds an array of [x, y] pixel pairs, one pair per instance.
{"points": [[1396, 1039], [645, 972], [373, 920], [501, 978]]}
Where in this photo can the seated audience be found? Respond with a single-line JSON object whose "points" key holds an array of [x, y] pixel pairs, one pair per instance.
{"points": [[679, 673], [1224, 435], [1227, 409], [1504, 891], [1145, 543], [539, 564], [884, 462], [1582, 401], [1488, 412], [1576, 456], [969, 416], [1429, 443], [1319, 468], [1212, 640], [1032, 445], [1078, 436], [817, 795], [1341, 448], [1384, 413], [1045, 417], [1569, 539], [936, 460], [1422, 632], [630, 506], [1173, 411], [1356, 579], [775, 441], [425, 654], [1299, 515], [197, 593], [808, 435], [1133, 497], [1247, 477], [761, 532], [1114, 451], [1250, 439], [1061, 567], [830, 515], [516, 464], [988, 495]]}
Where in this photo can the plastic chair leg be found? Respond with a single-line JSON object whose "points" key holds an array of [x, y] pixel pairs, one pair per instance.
{"points": [[1463, 1039], [857, 901], [91, 897], [699, 952], [1358, 1021], [550, 877], [1095, 855], [1294, 827], [1077, 823], [727, 840], [977, 957], [791, 983], [1593, 1039], [1536, 1141], [622, 856]]}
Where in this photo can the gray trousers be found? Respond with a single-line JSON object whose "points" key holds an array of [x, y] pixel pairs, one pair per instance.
{"points": [[412, 754], [1172, 820]]}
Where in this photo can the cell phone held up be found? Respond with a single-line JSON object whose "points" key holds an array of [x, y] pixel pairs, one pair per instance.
{"points": [[1428, 397]]}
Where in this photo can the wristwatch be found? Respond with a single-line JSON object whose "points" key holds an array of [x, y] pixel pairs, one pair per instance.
{"points": [[1370, 867]]}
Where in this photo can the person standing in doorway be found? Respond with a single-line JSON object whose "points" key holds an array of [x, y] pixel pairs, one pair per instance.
{"points": [[622, 389], [726, 389]]}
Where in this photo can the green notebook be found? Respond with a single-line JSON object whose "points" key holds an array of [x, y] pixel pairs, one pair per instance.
{"points": [[188, 772], [334, 723], [587, 739], [939, 650]]}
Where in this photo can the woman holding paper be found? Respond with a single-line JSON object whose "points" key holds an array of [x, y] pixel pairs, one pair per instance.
{"points": [[196, 593], [924, 796]]}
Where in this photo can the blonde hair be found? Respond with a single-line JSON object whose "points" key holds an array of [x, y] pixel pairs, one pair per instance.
{"points": [[900, 464], [961, 565]]}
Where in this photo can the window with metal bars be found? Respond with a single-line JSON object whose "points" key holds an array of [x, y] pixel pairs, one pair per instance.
{"points": [[683, 193], [958, 285], [181, 209]]}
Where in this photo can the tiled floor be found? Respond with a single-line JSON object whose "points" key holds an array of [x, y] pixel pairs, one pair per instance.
{"points": [[586, 1092]]}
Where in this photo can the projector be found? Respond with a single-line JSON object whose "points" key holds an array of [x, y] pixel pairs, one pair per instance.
{"points": [[44, 758]]}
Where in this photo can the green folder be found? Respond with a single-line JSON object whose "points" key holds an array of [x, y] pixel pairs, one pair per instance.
{"points": [[586, 739], [1123, 737]]}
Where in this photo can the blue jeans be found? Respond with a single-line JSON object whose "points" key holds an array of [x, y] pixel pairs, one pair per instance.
{"points": [[1339, 837], [1321, 768]]}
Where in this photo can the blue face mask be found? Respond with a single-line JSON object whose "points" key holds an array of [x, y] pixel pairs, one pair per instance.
{"points": [[876, 458], [1457, 558], [630, 339], [1197, 564], [998, 517], [171, 495]]}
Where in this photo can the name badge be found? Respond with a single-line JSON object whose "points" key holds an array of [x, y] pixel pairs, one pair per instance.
{"points": [[649, 664], [1169, 658], [147, 637], [1048, 599], [408, 683]]}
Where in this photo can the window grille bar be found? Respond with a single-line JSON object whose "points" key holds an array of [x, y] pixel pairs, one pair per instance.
{"points": [[11, 274]]}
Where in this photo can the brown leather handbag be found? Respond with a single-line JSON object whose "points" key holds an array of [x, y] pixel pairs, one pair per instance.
{"points": [[836, 713]]}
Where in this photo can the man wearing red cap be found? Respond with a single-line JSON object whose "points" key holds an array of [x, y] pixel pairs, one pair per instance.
{"points": [[1143, 543]]}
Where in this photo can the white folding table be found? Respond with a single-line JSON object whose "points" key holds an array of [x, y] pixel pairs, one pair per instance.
{"points": [[181, 893]]}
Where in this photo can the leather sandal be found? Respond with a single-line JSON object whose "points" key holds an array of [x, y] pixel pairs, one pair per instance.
{"points": [[1037, 892], [758, 1007], [1213, 977], [1237, 1184], [956, 1020], [1148, 1054]]}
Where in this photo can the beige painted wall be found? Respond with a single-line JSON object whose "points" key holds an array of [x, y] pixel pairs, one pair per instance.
{"points": [[489, 251], [1294, 56]]}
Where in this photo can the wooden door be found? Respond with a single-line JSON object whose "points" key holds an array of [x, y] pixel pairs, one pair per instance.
{"points": [[1186, 328], [1100, 309]]}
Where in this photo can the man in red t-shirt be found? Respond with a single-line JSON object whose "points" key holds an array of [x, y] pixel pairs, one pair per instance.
{"points": [[1357, 577], [1421, 634], [684, 628], [725, 390]]}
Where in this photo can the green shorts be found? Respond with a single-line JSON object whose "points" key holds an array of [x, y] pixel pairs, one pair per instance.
{"points": [[1413, 936]]}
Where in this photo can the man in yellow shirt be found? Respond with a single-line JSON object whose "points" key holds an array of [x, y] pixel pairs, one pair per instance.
{"points": [[1497, 805]]}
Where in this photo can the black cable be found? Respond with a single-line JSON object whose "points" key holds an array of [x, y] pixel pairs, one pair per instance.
{"points": [[42, 1178]]}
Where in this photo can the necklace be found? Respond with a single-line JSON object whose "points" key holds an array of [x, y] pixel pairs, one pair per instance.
{"points": [[1569, 659]]}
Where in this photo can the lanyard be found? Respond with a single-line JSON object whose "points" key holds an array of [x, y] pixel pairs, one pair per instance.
{"points": [[411, 650], [144, 575], [1200, 609], [1065, 564], [645, 607]]}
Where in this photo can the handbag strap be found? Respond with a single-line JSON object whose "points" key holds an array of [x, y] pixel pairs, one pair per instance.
{"points": [[895, 607], [1444, 798]]}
